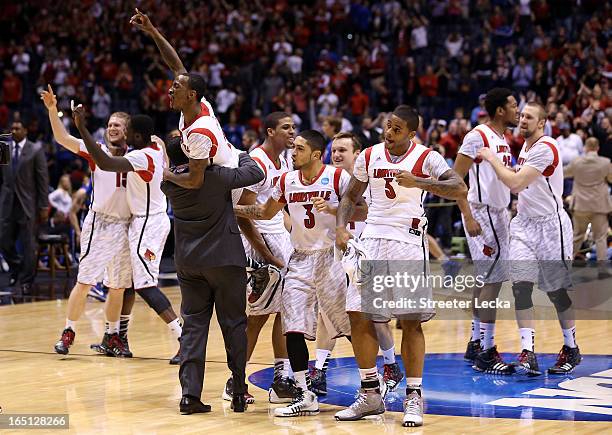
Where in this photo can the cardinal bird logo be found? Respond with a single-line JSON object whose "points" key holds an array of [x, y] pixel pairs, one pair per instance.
{"points": [[488, 251], [149, 255]]}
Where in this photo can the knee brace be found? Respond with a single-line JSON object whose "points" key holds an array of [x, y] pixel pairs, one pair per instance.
{"points": [[154, 297], [297, 351], [560, 299], [522, 295]]}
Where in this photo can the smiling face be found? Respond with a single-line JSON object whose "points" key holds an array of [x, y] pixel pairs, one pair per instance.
{"points": [[180, 93], [303, 154], [284, 132], [397, 135], [343, 155]]}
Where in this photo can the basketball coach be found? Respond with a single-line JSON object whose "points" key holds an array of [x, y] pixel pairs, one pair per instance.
{"points": [[210, 263]]}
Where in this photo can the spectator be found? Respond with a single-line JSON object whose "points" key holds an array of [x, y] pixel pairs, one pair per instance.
{"points": [[226, 98], [570, 144], [331, 126], [234, 132], [11, 89], [61, 202], [454, 45], [327, 102], [367, 133], [101, 105], [249, 140], [359, 103], [522, 74]]}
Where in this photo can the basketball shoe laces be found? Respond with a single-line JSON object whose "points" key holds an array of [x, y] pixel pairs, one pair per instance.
{"points": [[562, 357], [115, 341], [362, 400], [295, 406], [523, 357], [413, 404], [388, 372]]}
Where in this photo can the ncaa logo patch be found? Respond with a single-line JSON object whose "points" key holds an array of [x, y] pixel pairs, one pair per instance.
{"points": [[324, 181]]}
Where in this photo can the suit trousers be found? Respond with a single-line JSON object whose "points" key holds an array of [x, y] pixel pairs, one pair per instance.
{"points": [[222, 287], [599, 227], [15, 227]]}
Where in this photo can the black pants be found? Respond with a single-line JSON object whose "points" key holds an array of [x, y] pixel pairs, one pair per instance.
{"points": [[225, 288], [14, 227]]}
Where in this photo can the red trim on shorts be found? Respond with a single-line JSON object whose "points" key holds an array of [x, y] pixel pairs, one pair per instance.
{"points": [[368, 153], [87, 157], [337, 174], [147, 174], [263, 167], [203, 112], [410, 148], [550, 169], [417, 169], [282, 188], [209, 134]]}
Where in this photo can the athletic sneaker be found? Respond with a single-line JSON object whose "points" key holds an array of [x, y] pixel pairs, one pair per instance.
{"points": [[490, 361], [228, 392], [282, 390], [98, 292], [65, 341], [392, 376], [413, 410], [318, 379], [567, 360], [451, 268], [102, 347], [527, 363], [473, 349], [115, 346], [367, 403], [126, 346], [305, 403]]}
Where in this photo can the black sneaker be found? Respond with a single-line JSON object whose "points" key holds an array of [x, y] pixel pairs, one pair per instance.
{"points": [[473, 349], [392, 376], [567, 360], [527, 363], [318, 381], [103, 347], [115, 346], [65, 341], [228, 393], [490, 361], [126, 346], [282, 390]]}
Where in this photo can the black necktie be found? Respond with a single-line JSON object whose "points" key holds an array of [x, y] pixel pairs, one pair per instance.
{"points": [[15, 155]]}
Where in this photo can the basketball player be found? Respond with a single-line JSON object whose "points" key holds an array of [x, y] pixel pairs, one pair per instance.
{"points": [[203, 140], [315, 282], [540, 239], [141, 173], [398, 172], [486, 221], [345, 149], [104, 238], [269, 242]]}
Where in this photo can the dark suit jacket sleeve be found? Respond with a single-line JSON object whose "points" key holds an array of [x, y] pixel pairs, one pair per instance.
{"points": [[246, 174], [41, 175]]}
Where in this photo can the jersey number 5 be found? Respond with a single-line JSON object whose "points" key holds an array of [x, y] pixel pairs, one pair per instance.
{"points": [[389, 188], [309, 222], [121, 180]]}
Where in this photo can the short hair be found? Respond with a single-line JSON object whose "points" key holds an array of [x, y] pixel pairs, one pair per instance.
{"points": [[315, 140], [144, 125], [541, 110], [175, 152], [348, 135], [121, 115], [272, 120], [591, 143], [197, 83], [409, 115], [336, 123], [496, 97]]}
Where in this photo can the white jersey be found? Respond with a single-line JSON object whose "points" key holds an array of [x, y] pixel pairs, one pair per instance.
{"points": [[396, 212], [144, 195], [204, 138], [543, 196], [357, 227], [265, 188], [109, 195], [485, 187], [311, 230]]}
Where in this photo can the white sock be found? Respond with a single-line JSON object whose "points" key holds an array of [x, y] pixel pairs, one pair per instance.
{"points": [[414, 383], [70, 324], [528, 338], [569, 337], [321, 357], [487, 335], [300, 379], [113, 327], [475, 329], [389, 355], [106, 327], [175, 327]]}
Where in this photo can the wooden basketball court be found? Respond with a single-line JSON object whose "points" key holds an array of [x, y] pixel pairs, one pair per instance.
{"points": [[141, 395]]}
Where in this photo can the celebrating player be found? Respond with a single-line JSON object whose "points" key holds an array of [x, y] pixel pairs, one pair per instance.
{"points": [[540, 238], [398, 172], [485, 219]]}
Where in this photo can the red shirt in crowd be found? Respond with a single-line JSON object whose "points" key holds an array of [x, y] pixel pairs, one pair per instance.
{"points": [[11, 89], [429, 85], [359, 103]]}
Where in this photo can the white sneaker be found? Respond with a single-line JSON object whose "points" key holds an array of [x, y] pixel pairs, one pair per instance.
{"points": [[413, 410], [367, 403], [304, 404]]}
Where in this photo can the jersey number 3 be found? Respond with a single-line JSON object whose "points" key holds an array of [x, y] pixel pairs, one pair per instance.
{"points": [[309, 222]]}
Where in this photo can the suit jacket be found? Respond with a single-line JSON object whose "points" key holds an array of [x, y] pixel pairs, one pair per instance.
{"points": [[29, 183], [205, 230], [591, 174]]}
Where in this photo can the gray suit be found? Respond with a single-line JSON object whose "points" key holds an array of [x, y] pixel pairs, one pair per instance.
{"points": [[210, 263], [23, 193]]}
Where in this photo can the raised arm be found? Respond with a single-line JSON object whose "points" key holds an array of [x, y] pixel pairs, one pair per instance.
{"points": [[189, 180], [60, 134], [246, 174], [168, 53], [259, 211], [103, 160]]}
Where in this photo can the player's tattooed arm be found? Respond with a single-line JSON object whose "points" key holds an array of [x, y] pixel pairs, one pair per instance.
{"points": [[168, 53], [449, 185], [258, 211], [346, 210], [103, 160]]}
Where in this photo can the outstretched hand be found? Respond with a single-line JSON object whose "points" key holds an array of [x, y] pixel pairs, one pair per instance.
{"points": [[142, 22], [48, 98], [78, 115]]}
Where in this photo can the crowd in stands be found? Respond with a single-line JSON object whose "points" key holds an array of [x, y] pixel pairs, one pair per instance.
{"points": [[333, 64]]}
